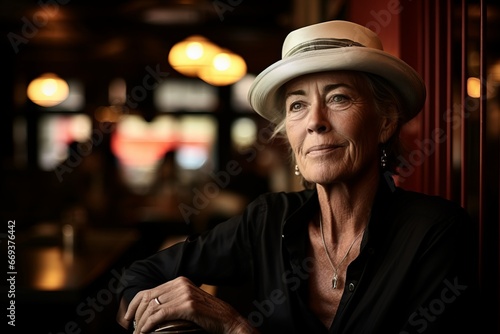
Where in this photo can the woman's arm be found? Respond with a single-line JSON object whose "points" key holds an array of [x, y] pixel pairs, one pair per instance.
{"points": [[220, 256]]}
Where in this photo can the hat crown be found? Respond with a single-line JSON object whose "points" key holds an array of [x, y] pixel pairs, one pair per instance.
{"points": [[344, 34]]}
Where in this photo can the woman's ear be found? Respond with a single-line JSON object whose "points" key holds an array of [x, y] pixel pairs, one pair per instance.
{"points": [[388, 127]]}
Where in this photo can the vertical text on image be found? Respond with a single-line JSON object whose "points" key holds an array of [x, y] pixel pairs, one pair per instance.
{"points": [[11, 272]]}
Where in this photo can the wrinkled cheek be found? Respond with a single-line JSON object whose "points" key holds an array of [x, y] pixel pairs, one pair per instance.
{"points": [[364, 153], [296, 143], [356, 152]]}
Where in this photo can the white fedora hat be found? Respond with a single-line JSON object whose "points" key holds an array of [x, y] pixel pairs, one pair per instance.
{"points": [[329, 46]]}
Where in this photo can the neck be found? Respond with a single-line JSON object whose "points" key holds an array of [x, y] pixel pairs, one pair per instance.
{"points": [[345, 206]]}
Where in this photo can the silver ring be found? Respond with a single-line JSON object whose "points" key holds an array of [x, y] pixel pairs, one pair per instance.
{"points": [[135, 324], [157, 301]]}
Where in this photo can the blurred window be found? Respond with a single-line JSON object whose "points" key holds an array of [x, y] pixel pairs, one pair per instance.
{"points": [[140, 146], [243, 133], [56, 133], [175, 95]]}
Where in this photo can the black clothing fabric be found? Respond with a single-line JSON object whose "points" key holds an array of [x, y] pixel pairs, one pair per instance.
{"points": [[416, 271]]}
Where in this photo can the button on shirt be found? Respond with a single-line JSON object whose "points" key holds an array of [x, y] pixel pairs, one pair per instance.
{"points": [[415, 273]]}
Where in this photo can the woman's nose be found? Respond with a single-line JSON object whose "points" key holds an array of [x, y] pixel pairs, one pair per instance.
{"points": [[318, 119]]}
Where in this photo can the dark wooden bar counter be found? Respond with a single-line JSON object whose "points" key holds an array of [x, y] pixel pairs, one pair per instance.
{"points": [[72, 288]]}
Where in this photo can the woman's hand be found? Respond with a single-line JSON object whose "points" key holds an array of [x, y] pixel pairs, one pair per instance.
{"points": [[181, 299]]}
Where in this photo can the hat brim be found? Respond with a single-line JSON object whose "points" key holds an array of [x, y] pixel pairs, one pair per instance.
{"points": [[264, 99]]}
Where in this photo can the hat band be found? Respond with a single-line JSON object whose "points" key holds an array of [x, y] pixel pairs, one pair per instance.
{"points": [[321, 44]]}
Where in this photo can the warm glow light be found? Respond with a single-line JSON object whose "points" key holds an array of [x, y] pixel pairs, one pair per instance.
{"points": [[192, 54], [227, 68], [50, 274], [222, 62], [48, 90], [194, 50], [196, 56], [474, 87]]}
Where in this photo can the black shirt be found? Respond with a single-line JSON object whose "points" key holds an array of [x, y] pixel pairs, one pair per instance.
{"points": [[416, 271]]}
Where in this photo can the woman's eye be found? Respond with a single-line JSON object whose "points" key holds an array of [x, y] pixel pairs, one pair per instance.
{"points": [[339, 98], [295, 106], [339, 101]]}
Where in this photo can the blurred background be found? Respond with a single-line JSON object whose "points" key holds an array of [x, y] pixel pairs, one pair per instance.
{"points": [[119, 136]]}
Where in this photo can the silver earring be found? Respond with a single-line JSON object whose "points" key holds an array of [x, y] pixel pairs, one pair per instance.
{"points": [[383, 159], [297, 171]]}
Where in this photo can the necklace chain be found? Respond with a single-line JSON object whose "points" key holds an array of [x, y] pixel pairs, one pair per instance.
{"points": [[335, 278]]}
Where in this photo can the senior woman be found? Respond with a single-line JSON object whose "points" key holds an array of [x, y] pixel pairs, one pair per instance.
{"points": [[351, 253]]}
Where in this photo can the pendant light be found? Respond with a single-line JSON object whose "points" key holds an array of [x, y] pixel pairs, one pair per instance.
{"points": [[192, 54], [226, 68], [48, 90]]}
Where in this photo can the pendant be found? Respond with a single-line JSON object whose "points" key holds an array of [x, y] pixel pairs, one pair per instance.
{"points": [[334, 281]]}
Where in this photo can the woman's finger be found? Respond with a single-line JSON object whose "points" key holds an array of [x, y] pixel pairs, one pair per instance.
{"points": [[132, 306], [146, 303]]}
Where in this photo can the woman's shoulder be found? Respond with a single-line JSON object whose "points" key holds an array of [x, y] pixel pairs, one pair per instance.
{"points": [[428, 206]]}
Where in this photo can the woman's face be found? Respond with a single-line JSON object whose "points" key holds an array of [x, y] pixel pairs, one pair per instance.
{"points": [[332, 126]]}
